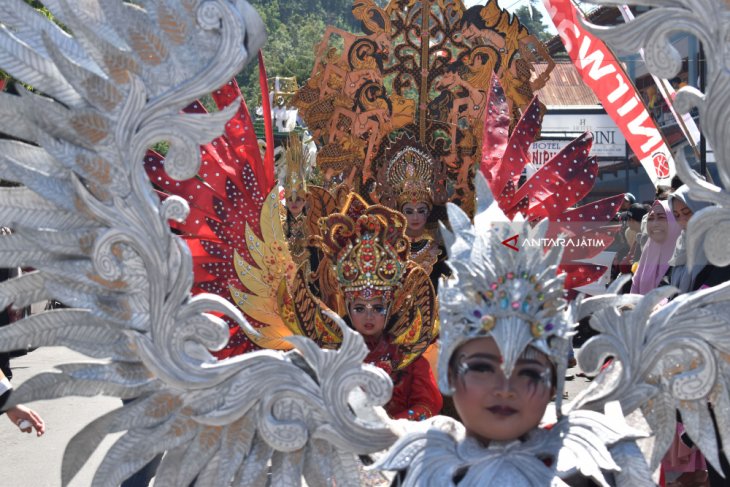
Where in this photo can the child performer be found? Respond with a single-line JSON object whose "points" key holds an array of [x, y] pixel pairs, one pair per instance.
{"points": [[505, 330]]}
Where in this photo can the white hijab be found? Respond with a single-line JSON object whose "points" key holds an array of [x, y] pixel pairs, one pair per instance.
{"points": [[682, 278]]}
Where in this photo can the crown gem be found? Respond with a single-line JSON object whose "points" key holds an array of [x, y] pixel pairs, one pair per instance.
{"points": [[488, 322], [536, 329]]}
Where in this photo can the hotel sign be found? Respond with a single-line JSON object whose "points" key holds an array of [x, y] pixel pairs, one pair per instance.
{"points": [[559, 129]]}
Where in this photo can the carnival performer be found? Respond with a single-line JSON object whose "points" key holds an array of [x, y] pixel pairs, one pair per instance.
{"points": [[239, 248], [663, 232], [406, 180], [505, 332], [296, 160], [389, 300]]}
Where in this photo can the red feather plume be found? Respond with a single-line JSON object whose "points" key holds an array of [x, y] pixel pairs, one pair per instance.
{"points": [[227, 194]]}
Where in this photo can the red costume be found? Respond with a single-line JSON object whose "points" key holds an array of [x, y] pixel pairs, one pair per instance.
{"points": [[366, 248], [416, 395]]}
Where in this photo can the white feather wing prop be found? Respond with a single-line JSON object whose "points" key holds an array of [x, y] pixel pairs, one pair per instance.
{"points": [[86, 219]]}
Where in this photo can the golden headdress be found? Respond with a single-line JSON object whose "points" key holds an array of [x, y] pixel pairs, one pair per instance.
{"points": [[407, 175], [296, 158], [368, 250], [367, 247], [415, 175]]}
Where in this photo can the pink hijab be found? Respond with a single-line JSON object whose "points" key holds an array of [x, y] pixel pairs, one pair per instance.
{"points": [[655, 256]]}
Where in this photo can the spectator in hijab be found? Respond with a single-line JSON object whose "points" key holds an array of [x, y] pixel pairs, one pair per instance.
{"points": [[663, 232], [683, 208], [701, 275]]}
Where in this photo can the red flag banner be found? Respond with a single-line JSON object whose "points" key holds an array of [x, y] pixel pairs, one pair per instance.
{"points": [[603, 73]]}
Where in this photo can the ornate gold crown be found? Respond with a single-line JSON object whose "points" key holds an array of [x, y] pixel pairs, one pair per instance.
{"points": [[407, 174], [367, 246], [415, 187]]}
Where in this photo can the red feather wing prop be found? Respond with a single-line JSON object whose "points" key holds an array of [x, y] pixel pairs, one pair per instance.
{"points": [[225, 197]]}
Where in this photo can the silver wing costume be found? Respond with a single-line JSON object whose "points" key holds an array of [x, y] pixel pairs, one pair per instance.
{"points": [[86, 219]]}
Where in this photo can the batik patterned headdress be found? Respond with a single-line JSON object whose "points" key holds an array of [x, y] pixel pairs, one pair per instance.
{"points": [[515, 297], [430, 83], [368, 248]]}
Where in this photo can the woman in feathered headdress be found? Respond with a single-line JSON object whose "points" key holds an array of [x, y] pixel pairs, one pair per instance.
{"points": [[505, 336]]}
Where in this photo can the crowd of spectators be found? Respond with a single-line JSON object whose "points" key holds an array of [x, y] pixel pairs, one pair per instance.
{"points": [[651, 247]]}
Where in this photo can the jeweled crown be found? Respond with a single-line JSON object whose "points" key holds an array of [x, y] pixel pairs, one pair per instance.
{"points": [[513, 296], [409, 173], [367, 246]]}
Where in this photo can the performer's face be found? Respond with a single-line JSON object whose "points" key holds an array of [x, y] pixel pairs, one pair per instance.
{"points": [[656, 224], [416, 216], [295, 205], [368, 316], [492, 406], [682, 213]]}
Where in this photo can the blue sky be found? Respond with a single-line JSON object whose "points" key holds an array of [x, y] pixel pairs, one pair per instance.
{"points": [[512, 5]]}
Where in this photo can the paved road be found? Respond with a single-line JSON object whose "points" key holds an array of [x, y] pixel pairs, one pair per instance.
{"points": [[28, 461]]}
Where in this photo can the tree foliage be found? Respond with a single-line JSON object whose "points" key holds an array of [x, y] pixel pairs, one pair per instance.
{"points": [[535, 23], [294, 28]]}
